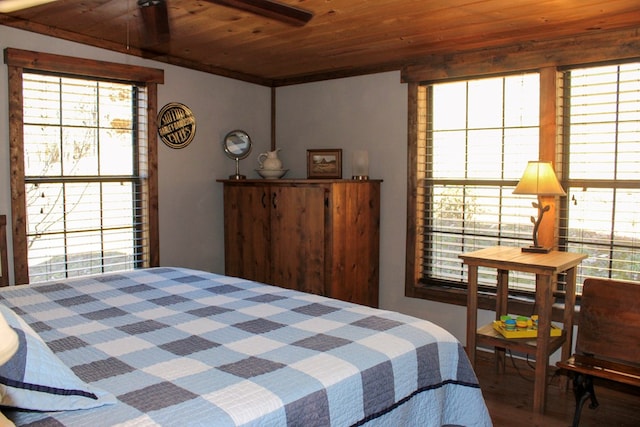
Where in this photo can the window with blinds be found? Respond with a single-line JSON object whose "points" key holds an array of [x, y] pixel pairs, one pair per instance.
{"points": [[479, 136], [85, 175], [601, 142], [474, 139]]}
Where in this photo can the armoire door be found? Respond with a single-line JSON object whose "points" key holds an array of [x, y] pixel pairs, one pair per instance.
{"points": [[353, 255], [298, 237], [246, 233]]}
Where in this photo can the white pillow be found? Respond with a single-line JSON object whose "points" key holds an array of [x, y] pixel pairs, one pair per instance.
{"points": [[36, 379]]}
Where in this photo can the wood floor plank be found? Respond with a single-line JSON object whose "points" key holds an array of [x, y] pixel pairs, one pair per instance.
{"points": [[509, 397]]}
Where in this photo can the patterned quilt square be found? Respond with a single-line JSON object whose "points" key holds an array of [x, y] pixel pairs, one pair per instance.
{"points": [[157, 396], [322, 342], [110, 278], [142, 327], [121, 346], [54, 287], [211, 310], [315, 309], [76, 300], [223, 289], [428, 365], [255, 346], [136, 289], [169, 300], [67, 343], [179, 368], [105, 313], [100, 369], [378, 390], [311, 410], [40, 327], [259, 326], [251, 367], [189, 279], [187, 346], [266, 298], [376, 323]]}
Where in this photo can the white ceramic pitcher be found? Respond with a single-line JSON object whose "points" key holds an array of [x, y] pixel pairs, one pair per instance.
{"points": [[270, 160]]}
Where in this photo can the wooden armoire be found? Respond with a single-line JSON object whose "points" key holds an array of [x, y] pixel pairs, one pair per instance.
{"points": [[317, 236]]}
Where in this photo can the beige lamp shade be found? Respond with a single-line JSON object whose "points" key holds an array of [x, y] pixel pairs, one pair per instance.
{"points": [[8, 341], [540, 179]]}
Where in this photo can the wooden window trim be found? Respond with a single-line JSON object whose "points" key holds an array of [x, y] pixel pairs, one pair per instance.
{"points": [[38, 61], [20, 60]]}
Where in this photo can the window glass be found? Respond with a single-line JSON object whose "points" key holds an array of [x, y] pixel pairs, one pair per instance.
{"points": [[84, 169], [480, 136]]}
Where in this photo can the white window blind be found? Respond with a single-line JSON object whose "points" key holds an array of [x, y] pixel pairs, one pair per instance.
{"points": [[85, 171], [601, 142]]}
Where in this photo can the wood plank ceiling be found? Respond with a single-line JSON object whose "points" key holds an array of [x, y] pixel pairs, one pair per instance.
{"points": [[344, 38]]}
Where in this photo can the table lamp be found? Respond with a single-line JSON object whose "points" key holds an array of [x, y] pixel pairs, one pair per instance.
{"points": [[8, 341], [539, 179]]}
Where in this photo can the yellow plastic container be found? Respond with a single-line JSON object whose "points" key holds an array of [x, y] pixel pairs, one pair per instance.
{"points": [[528, 332]]}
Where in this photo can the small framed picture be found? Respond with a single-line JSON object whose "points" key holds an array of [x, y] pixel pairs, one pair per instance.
{"points": [[324, 163]]}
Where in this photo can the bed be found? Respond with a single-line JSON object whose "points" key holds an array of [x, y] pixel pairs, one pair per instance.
{"points": [[175, 346]]}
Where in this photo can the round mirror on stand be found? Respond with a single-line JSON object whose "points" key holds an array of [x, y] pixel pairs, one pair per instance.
{"points": [[237, 145]]}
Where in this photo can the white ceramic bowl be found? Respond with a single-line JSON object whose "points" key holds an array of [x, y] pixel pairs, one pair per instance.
{"points": [[272, 173]]}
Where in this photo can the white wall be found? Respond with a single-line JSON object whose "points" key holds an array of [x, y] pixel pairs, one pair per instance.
{"points": [[190, 199]]}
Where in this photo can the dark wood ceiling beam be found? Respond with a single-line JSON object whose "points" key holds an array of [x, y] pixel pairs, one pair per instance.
{"points": [[594, 47]]}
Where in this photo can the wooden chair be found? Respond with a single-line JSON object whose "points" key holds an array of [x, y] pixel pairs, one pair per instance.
{"points": [[4, 264], [608, 339]]}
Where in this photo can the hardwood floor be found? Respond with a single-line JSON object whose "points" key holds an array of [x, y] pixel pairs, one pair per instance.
{"points": [[508, 397]]}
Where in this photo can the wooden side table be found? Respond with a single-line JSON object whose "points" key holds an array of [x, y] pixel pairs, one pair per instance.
{"points": [[545, 267]]}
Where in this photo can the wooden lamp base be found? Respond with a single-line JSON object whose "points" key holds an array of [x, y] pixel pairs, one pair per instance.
{"points": [[536, 249]]}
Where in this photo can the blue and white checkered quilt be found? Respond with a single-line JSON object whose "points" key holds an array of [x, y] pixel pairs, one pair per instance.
{"points": [[180, 347]]}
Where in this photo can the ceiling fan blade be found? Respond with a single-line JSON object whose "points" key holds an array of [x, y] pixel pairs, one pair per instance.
{"points": [[8, 6], [271, 9], [155, 22]]}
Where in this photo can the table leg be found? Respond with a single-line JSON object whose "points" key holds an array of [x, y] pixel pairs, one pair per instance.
{"points": [[472, 312], [502, 301], [544, 304], [569, 309], [502, 293]]}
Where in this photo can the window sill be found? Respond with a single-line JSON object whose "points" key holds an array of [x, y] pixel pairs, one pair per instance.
{"points": [[486, 300]]}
